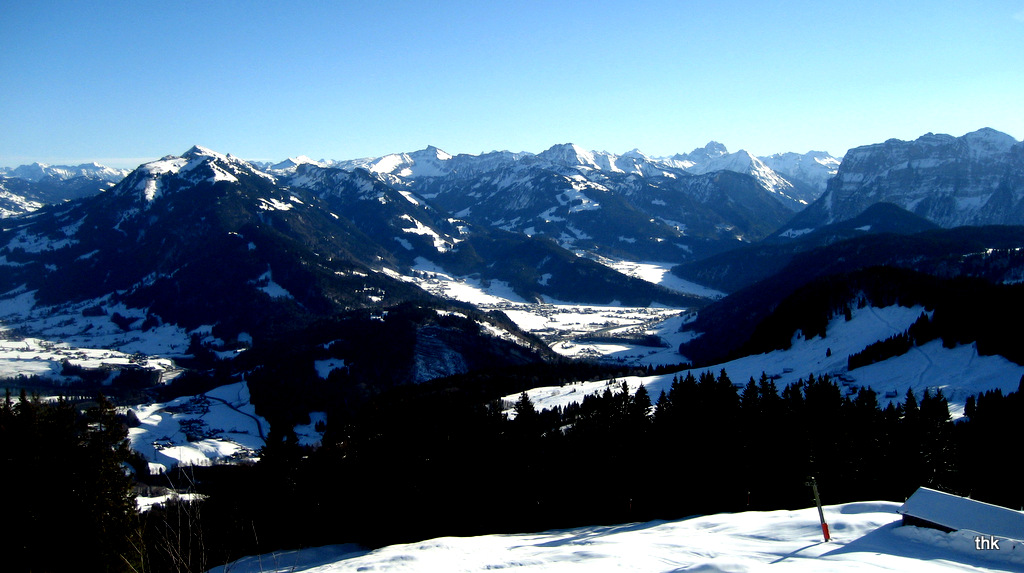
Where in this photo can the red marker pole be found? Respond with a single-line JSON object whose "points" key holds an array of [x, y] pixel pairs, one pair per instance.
{"points": [[821, 514]]}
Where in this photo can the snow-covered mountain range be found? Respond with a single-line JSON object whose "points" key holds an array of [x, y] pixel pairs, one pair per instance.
{"points": [[39, 171], [974, 179], [28, 187], [808, 171], [713, 209], [621, 205]]}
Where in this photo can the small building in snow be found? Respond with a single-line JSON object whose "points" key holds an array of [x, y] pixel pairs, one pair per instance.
{"points": [[948, 512]]}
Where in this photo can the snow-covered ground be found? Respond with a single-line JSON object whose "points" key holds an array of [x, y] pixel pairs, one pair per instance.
{"points": [[568, 329], [217, 426], [199, 430], [90, 324], [959, 372], [83, 334], [561, 324], [866, 536], [35, 357], [145, 503], [660, 274]]}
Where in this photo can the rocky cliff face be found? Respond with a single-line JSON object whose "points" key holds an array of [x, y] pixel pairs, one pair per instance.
{"points": [[975, 179]]}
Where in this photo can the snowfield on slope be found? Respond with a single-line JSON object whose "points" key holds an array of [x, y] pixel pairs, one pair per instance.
{"points": [[660, 274], [959, 372], [866, 536]]}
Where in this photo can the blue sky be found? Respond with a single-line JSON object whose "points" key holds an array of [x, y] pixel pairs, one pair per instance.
{"points": [[126, 82]]}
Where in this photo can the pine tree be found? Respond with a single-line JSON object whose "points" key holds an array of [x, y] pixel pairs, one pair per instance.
{"points": [[68, 469], [750, 399], [638, 411], [909, 444], [524, 407], [937, 440], [106, 486]]}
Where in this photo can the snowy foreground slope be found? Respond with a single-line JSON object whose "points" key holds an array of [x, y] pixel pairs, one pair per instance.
{"points": [[865, 537]]}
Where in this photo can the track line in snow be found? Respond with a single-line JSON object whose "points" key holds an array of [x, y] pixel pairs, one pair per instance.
{"points": [[259, 426]]}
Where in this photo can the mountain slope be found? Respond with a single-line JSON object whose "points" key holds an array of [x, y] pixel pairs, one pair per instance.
{"points": [[733, 270], [975, 179], [416, 232], [18, 196], [743, 162], [218, 249], [632, 207], [966, 270], [812, 169], [26, 188]]}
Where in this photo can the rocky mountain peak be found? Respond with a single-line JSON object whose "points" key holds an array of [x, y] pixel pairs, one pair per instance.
{"points": [[974, 179]]}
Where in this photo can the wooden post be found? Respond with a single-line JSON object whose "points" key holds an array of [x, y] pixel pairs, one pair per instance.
{"points": [[817, 500]]}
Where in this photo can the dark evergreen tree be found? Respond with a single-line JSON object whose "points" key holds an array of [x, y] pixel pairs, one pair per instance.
{"points": [[937, 447], [68, 469]]}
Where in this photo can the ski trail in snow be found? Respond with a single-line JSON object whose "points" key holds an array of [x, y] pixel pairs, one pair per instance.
{"points": [[259, 427], [928, 363], [880, 318]]}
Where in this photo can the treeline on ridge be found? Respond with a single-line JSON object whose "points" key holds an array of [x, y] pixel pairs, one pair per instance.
{"points": [[964, 310]]}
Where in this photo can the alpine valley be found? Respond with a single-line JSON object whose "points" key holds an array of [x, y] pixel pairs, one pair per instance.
{"points": [[407, 338]]}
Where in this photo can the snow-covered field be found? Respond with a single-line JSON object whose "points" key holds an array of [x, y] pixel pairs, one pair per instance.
{"points": [[865, 537], [145, 503], [35, 357], [561, 324], [90, 324], [569, 330], [660, 274], [198, 430], [208, 428], [83, 334], [959, 372]]}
